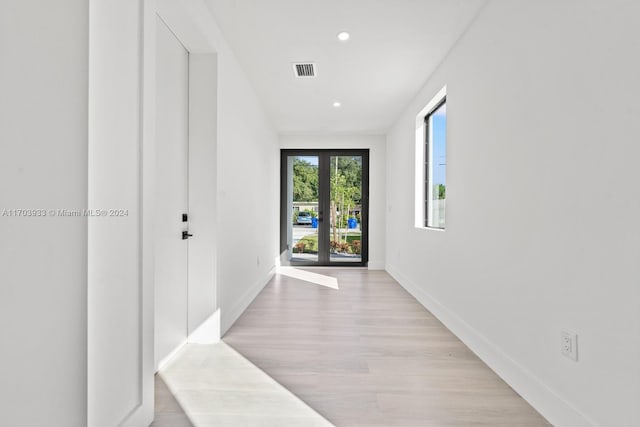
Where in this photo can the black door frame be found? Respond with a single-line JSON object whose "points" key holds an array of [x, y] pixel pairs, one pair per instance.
{"points": [[324, 156]]}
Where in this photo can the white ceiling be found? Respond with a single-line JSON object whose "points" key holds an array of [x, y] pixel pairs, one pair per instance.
{"points": [[395, 45]]}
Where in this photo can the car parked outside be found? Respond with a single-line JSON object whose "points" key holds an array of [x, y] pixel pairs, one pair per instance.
{"points": [[304, 218]]}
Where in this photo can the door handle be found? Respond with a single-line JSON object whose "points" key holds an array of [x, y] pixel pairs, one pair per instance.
{"points": [[186, 235]]}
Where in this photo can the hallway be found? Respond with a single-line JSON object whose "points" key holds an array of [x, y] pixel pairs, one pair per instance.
{"points": [[156, 155], [368, 354]]}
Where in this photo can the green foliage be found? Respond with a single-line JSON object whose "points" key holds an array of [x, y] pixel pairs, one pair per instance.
{"points": [[342, 221], [351, 245], [347, 179], [305, 181], [346, 186], [442, 192], [352, 237], [308, 244]]}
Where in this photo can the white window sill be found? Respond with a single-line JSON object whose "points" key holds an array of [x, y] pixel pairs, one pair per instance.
{"points": [[431, 229]]}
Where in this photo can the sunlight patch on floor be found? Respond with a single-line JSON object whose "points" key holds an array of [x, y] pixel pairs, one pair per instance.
{"points": [[307, 276], [216, 386]]}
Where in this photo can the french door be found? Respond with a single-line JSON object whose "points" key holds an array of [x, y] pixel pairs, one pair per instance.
{"points": [[324, 207]]}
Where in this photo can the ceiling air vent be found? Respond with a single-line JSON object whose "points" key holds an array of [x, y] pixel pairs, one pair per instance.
{"points": [[305, 70]]}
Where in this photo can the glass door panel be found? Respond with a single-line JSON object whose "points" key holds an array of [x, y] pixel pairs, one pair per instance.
{"points": [[324, 207], [345, 208], [302, 216]]}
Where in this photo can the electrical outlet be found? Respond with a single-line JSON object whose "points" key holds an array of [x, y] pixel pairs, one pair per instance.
{"points": [[569, 345]]}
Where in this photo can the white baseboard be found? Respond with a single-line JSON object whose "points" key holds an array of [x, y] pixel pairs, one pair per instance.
{"points": [[165, 360], [228, 317], [208, 332], [375, 265], [555, 409]]}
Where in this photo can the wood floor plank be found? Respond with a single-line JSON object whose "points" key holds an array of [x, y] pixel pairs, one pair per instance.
{"points": [[368, 354], [212, 385]]}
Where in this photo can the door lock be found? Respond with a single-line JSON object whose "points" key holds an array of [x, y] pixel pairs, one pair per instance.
{"points": [[186, 235]]}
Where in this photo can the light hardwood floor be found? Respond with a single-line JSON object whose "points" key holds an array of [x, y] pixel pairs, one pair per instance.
{"points": [[168, 412], [214, 386], [368, 354]]}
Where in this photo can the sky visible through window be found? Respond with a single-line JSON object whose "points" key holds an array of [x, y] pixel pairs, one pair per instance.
{"points": [[439, 144], [313, 160]]}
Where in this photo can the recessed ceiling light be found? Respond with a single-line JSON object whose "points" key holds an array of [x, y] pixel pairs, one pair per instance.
{"points": [[337, 104], [343, 36]]}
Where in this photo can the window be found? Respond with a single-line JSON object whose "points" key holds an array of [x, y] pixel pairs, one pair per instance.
{"points": [[431, 163], [435, 170]]}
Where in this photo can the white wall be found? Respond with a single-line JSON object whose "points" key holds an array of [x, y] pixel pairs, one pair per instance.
{"points": [[377, 175], [43, 151], [543, 203], [248, 193], [48, 163]]}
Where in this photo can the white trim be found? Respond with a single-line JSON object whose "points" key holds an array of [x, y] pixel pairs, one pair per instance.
{"points": [[375, 265], [208, 332], [442, 93], [418, 184], [165, 361], [546, 401], [229, 317], [431, 229], [115, 113]]}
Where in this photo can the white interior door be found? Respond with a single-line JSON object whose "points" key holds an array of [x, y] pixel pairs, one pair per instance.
{"points": [[172, 133]]}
